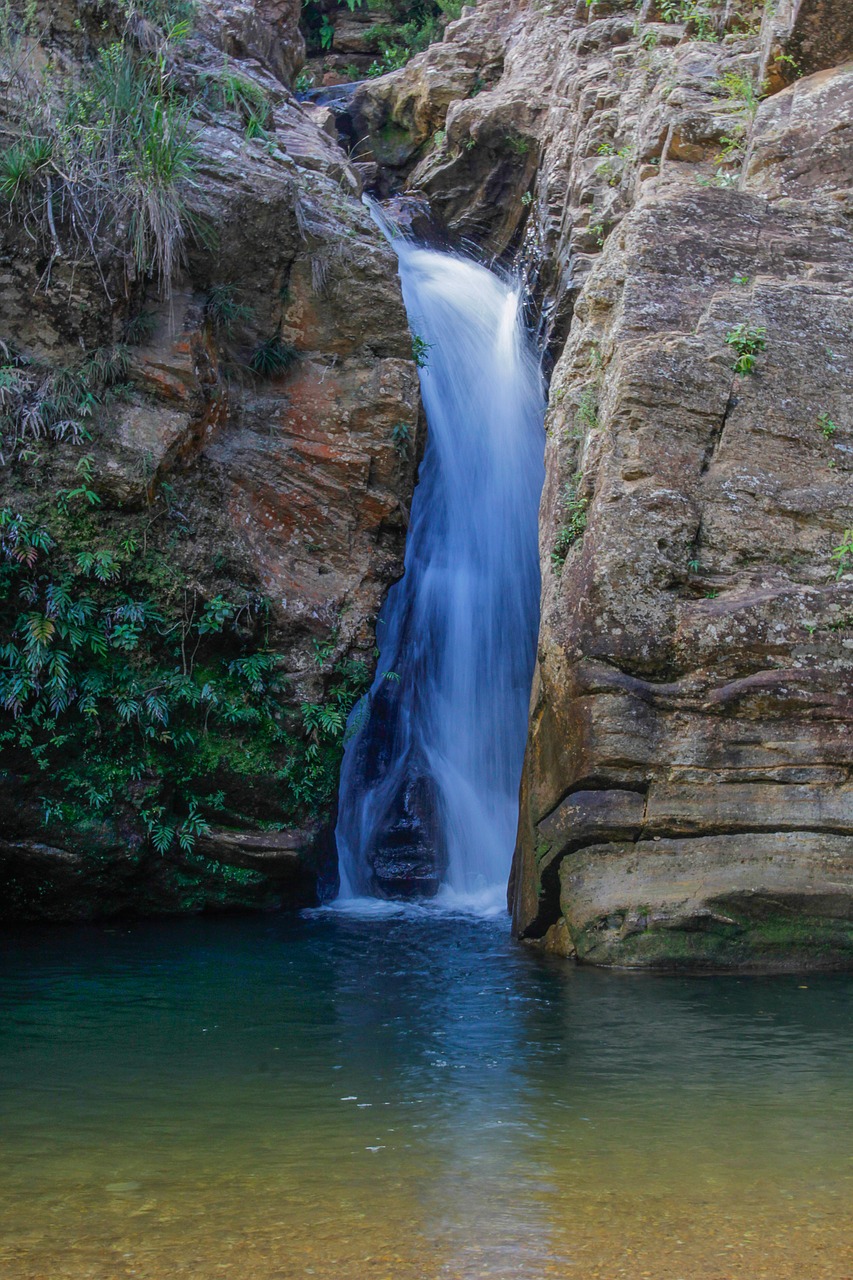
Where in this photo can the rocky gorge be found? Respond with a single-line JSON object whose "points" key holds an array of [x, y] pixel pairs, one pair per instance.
{"points": [[674, 182], [247, 488]]}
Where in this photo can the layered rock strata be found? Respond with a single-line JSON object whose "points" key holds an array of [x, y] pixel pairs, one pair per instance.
{"points": [[292, 487], [693, 688], [686, 797]]}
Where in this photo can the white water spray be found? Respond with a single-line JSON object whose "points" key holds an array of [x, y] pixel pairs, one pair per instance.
{"points": [[429, 784]]}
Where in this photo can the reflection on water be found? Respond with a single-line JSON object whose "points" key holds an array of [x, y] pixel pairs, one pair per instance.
{"points": [[411, 1097]]}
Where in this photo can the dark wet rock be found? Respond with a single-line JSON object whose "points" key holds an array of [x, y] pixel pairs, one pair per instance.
{"points": [[409, 859]]}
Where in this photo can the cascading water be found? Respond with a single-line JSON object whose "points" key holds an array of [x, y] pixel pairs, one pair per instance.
{"points": [[429, 784]]}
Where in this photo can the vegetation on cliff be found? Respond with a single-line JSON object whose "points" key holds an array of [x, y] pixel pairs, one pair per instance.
{"points": [[121, 685], [102, 157], [387, 34], [149, 682]]}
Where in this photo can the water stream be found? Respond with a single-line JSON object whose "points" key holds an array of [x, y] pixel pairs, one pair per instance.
{"points": [[429, 786]]}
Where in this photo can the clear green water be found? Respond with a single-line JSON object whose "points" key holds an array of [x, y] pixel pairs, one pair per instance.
{"points": [[411, 1098]]}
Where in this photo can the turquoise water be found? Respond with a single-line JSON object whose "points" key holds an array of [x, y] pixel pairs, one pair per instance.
{"points": [[411, 1097]]}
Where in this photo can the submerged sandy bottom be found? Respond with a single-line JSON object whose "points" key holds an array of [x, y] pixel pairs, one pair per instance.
{"points": [[411, 1098]]}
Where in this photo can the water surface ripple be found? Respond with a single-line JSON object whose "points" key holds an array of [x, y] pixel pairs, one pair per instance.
{"points": [[412, 1097]]}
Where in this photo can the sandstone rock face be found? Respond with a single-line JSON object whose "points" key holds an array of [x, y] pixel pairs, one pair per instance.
{"points": [[803, 36], [289, 485], [802, 141], [266, 31], [686, 791], [685, 798]]}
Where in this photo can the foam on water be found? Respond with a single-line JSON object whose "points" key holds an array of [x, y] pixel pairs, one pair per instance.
{"points": [[488, 904], [458, 631]]}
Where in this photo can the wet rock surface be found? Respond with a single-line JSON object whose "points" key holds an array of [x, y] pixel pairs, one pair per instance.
{"points": [[409, 860]]}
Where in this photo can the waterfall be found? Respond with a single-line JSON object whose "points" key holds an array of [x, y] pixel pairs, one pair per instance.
{"points": [[429, 783]]}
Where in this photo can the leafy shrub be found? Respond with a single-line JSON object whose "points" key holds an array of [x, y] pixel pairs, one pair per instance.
{"points": [[39, 403], [413, 26], [420, 351], [695, 12], [120, 684], [402, 41], [747, 341], [401, 437]]}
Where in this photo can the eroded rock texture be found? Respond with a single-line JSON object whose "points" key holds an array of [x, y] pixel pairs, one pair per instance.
{"points": [[686, 794], [287, 487]]}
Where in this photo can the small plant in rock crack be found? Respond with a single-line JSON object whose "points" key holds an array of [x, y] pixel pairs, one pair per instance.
{"points": [[586, 413], [740, 89], [610, 170], [420, 349], [574, 509], [272, 357], [527, 199], [827, 427], [790, 66], [139, 328], [401, 436], [597, 230], [721, 178], [747, 341], [733, 145], [223, 312], [229, 91], [517, 144], [843, 554]]}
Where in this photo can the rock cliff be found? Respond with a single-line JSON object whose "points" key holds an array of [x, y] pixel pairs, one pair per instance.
{"points": [[240, 487], [676, 180]]}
